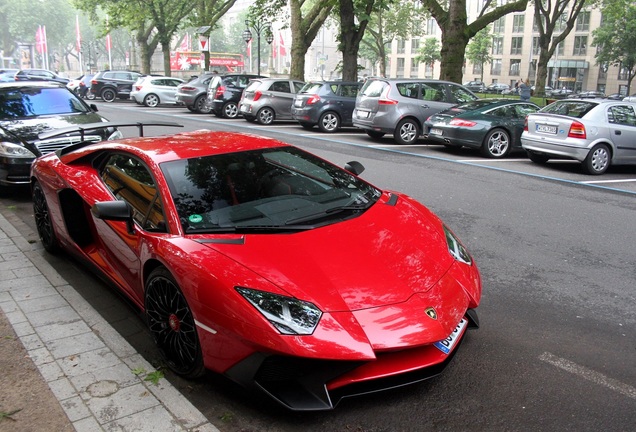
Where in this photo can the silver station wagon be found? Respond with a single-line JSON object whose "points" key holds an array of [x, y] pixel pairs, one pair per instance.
{"points": [[596, 132], [401, 106]]}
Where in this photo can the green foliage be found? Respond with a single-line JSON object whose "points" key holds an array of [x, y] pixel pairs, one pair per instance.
{"points": [[429, 53]]}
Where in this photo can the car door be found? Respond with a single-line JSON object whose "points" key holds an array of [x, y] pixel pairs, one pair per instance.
{"points": [[434, 99], [166, 87], [281, 98], [622, 130], [347, 100]]}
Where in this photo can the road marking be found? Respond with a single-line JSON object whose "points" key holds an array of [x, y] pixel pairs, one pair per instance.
{"points": [[609, 181], [588, 374], [495, 160]]}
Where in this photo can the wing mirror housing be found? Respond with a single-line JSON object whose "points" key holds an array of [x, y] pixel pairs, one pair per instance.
{"points": [[354, 167], [115, 211]]}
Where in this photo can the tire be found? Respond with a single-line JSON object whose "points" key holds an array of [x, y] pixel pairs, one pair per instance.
{"points": [[90, 95], [538, 158], [598, 160], [151, 100], [230, 110], [374, 134], [265, 116], [171, 324], [497, 144], [201, 105], [249, 118], [108, 95], [43, 220], [407, 132], [307, 126], [190, 108], [329, 122]]}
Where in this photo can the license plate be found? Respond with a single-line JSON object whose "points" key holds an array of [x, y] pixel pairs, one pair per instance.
{"points": [[243, 108], [363, 114], [546, 129], [298, 103], [446, 345], [435, 132]]}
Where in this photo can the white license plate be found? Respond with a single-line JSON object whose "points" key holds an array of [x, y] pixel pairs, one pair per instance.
{"points": [[363, 114], [298, 103], [446, 345], [243, 108], [546, 129], [436, 132]]}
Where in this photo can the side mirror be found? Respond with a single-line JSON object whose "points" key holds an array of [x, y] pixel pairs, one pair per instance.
{"points": [[115, 211], [93, 107], [354, 167]]}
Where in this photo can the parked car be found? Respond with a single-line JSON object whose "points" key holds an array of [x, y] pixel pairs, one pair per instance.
{"points": [[497, 88], [401, 106], [596, 132], [618, 96], [8, 75], [30, 108], [80, 85], [110, 85], [561, 93], [591, 94], [225, 91], [39, 75], [232, 249], [154, 90], [268, 99], [194, 94], [547, 90], [328, 104], [492, 125], [475, 86], [631, 98]]}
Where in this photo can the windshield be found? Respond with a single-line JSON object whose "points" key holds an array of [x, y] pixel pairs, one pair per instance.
{"points": [[570, 108], [27, 102], [270, 189]]}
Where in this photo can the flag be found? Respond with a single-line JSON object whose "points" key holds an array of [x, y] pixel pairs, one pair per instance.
{"points": [[77, 31], [39, 40], [108, 42], [281, 46]]}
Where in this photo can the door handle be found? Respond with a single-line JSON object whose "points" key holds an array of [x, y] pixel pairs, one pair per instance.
{"points": [[617, 132]]}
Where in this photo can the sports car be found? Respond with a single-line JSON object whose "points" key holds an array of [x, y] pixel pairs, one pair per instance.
{"points": [[258, 260]]}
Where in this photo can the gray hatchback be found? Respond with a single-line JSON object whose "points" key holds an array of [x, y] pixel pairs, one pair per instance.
{"points": [[401, 106], [268, 99]]}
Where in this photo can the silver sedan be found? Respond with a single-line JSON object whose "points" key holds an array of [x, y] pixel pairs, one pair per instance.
{"points": [[596, 132]]}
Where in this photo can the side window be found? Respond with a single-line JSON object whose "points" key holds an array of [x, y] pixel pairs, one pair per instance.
{"points": [[129, 180], [460, 94], [622, 114], [524, 109], [409, 90], [298, 86], [433, 92], [349, 90], [281, 86]]}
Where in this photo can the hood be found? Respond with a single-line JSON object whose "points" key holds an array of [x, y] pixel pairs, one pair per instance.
{"points": [[385, 256], [28, 129]]}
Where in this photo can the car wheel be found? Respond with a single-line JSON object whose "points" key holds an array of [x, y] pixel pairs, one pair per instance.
{"points": [[201, 105], [374, 134], [265, 116], [407, 132], [151, 100], [171, 323], [496, 144], [597, 160], [90, 95], [307, 126], [230, 110], [539, 158], [249, 118], [108, 95], [329, 122], [43, 220]]}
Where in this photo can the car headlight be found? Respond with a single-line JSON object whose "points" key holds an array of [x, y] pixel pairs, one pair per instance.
{"points": [[11, 150], [115, 135], [456, 249], [290, 316]]}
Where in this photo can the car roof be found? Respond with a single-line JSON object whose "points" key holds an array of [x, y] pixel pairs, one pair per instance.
{"points": [[183, 145], [31, 84]]}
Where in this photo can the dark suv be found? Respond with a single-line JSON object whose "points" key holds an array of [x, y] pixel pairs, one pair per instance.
{"points": [[110, 85], [39, 75], [225, 91], [328, 104]]}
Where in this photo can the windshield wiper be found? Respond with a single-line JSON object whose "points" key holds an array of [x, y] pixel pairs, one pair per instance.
{"points": [[328, 212], [248, 229]]}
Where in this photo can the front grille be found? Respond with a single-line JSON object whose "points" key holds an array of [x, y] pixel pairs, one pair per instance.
{"points": [[54, 144]]}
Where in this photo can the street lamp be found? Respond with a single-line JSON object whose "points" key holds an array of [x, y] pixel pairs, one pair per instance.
{"points": [[258, 28]]}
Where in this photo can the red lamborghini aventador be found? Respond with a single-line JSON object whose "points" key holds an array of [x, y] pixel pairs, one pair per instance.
{"points": [[258, 260]]}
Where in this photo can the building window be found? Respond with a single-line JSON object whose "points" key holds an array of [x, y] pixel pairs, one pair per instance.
{"points": [[499, 25], [623, 72], [583, 21], [580, 45], [497, 45], [518, 23], [495, 67], [536, 49], [477, 68], [401, 46], [602, 71], [400, 67], [428, 70], [415, 46], [559, 50], [431, 27], [415, 68], [517, 45], [561, 23], [515, 67]]}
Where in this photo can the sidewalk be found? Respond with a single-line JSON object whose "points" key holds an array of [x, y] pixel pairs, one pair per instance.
{"points": [[96, 376]]}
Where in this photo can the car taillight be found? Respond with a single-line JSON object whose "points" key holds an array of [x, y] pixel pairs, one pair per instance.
{"points": [[525, 124], [387, 102], [81, 84], [93, 82], [577, 130], [219, 92], [257, 95], [462, 122], [138, 88], [188, 88], [313, 99]]}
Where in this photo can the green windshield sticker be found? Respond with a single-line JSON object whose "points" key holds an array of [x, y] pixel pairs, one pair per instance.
{"points": [[195, 218]]}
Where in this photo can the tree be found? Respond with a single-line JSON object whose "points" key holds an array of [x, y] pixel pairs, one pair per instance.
{"points": [[478, 50], [209, 13], [429, 53], [451, 16], [616, 37], [550, 18], [354, 18]]}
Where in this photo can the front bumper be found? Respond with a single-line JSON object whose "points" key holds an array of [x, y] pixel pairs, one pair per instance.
{"points": [[15, 172]]}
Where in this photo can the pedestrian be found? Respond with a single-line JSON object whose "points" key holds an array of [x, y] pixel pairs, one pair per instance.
{"points": [[524, 90]]}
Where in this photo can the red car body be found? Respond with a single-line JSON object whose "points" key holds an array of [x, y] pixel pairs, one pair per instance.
{"points": [[388, 292]]}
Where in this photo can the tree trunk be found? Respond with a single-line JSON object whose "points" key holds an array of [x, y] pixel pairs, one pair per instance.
{"points": [[454, 42], [165, 49], [542, 72]]}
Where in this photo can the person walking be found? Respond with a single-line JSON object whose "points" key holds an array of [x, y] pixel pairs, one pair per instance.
{"points": [[524, 90]]}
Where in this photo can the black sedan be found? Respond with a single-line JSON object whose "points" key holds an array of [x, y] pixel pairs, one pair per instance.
{"points": [[492, 125]]}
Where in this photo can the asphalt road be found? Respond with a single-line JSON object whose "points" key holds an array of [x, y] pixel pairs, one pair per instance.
{"points": [[556, 350]]}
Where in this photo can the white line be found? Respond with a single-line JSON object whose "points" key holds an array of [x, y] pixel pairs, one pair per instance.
{"points": [[494, 160], [588, 374], [609, 181]]}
